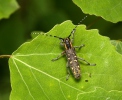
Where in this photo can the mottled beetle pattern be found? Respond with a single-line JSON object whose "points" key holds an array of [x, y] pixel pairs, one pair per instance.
{"points": [[72, 59]]}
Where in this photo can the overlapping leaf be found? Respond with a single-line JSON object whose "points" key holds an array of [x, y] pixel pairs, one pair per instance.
{"points": [[109, 10], [118, 45], [7, 7]]}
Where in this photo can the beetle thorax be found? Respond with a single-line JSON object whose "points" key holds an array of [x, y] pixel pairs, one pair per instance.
{"points": [[67, 43]]}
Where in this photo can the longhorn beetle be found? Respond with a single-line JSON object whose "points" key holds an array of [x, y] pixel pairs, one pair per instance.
{"points": [[71, 56]]}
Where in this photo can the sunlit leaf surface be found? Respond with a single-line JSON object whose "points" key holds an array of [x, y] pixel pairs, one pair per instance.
{"points": [[110, 10], [34, 76]]}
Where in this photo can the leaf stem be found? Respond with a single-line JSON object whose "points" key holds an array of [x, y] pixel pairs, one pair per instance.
{"points": [[5, 56]]}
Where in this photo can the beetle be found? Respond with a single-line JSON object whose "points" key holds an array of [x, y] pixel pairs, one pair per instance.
{"points": [[72, 59]]}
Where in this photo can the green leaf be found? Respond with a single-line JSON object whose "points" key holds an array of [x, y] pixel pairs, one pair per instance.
{"points": [[35, 34], [118, 45], [7, 7], [35, 76], [109, 10]]}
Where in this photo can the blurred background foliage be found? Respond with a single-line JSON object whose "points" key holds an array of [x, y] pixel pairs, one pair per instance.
{"points": [[42, 15]]}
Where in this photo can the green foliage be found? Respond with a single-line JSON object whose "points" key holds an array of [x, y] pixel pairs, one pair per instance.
{"points": [[35, 76], [118, 45], [7, 7], [109, 10]]}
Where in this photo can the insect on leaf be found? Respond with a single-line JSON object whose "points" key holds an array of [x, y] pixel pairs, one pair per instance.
{"points": [[34, 76]]}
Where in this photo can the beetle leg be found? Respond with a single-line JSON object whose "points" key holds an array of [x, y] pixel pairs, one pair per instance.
{"points": [[79, 46], [68, 72], [86, 62], [59, 56]]}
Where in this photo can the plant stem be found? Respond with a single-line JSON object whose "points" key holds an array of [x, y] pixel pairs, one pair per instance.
{"points": [[5, 56]]}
